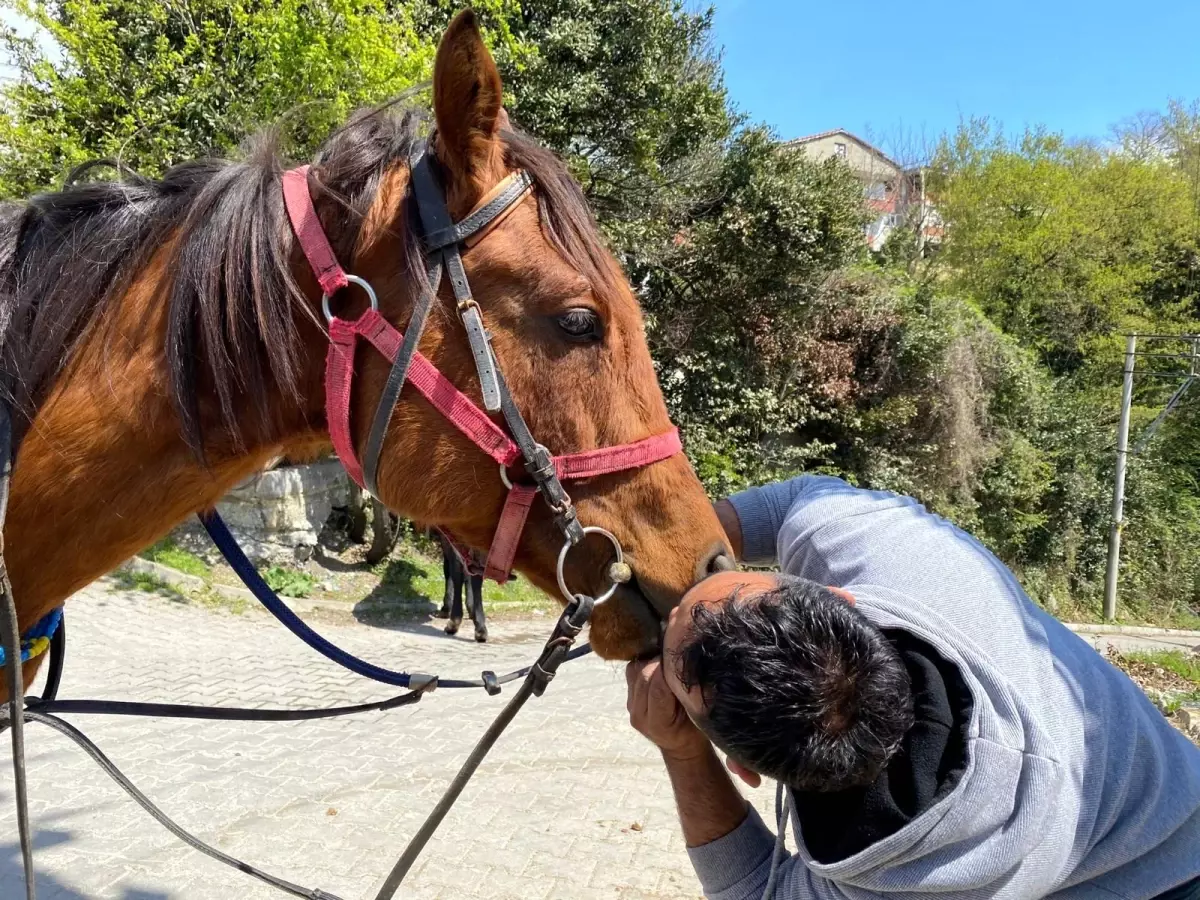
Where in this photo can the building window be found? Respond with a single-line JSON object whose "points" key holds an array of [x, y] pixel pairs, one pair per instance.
{"points": [[839, 149]]}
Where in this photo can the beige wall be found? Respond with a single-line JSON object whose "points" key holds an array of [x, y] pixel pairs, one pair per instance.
{"points": [[859, 158]]}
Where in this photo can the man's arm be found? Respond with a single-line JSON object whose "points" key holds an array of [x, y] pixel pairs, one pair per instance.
{"points": [[709, 805], [732, 525], [752, 519], [728, 844]]}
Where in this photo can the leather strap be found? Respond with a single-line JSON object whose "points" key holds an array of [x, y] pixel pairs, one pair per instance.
{"points": [[391, 390], [607, 460], [488, 213], [555, 653], [219, 713], [241, 565], [10, 635], [423, 375], [588, 464], [435, 219], [540, 465]]}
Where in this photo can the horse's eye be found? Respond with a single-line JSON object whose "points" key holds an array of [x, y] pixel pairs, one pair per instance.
{"points": [[580, 324]]}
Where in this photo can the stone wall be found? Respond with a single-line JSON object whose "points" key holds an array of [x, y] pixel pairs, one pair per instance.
{"points": [[276, 515]]}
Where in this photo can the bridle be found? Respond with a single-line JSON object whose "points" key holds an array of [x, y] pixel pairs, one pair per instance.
{"points": [[444, 241]]}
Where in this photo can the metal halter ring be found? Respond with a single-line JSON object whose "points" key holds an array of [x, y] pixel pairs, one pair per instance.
{"points": [[504, 470], [351, 279], [562, 558]]}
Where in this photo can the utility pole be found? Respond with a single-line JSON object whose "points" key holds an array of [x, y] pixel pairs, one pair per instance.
{"points": [[1114, 537], [1191, 356]]}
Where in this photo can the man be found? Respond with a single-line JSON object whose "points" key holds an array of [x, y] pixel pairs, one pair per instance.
{"points": [[936, 732]]}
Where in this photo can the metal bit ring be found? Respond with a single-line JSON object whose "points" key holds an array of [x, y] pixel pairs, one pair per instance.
{"points": [[562, 558]]}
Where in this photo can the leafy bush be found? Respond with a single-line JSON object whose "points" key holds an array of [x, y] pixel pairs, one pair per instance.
{"points": [[289, 582]]}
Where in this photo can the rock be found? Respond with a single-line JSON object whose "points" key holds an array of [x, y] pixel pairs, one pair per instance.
{"points": [[276, 515]]}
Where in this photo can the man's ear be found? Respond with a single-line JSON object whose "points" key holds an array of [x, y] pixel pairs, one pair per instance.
{"points": [[841, 592], [750, 777]]}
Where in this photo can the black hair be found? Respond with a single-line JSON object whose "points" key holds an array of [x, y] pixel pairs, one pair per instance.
{"points": [[798, 685]]}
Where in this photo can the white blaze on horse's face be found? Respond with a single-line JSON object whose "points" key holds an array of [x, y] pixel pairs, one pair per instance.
{"points": [[570, 341]]}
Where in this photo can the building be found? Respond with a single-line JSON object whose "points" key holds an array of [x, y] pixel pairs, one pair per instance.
{"points": [[895, 194]]}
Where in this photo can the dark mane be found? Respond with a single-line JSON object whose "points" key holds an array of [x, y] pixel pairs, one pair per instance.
{"points": [[65, 257]]}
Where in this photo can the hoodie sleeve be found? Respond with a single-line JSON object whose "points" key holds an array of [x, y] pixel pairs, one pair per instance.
{"points": [[761, 512], [737, 866]]}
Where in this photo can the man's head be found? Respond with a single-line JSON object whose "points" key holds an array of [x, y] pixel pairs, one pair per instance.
{"points": [[788, 679]]}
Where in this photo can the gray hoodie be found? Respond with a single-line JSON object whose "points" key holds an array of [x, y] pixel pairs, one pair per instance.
{"points": [[1075, 786]]}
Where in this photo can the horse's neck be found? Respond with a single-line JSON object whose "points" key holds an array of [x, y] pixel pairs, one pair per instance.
{"points": [[104, 471]]}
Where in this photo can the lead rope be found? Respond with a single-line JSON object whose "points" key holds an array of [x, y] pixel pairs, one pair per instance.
{"points": [[538, 676], [783, 802], [10, 632], [570, 623]]}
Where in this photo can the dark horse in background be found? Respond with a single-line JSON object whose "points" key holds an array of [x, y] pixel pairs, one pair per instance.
{"points": [[385, 529], [459, 579]]}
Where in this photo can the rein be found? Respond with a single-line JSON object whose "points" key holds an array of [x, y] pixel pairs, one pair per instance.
{"points": [[444, 241]]}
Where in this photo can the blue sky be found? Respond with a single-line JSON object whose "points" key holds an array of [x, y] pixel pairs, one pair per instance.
{"points": [[893, 68]]}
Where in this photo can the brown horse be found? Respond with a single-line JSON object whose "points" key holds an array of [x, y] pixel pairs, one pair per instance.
{"points": [[162, 341]]}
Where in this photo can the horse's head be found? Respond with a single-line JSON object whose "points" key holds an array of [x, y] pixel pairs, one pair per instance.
{"points": [[570, 341]]}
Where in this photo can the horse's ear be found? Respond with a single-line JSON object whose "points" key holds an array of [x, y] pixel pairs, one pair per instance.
{"points": [[466, 100]]}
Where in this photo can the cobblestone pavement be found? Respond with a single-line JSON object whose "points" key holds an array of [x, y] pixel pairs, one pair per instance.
{"points": [[571, 803]]}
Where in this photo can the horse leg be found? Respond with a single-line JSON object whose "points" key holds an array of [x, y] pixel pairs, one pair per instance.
{"points": [[383, 533], [456, 583], [475, 601], [357, 510], [448, 561]]}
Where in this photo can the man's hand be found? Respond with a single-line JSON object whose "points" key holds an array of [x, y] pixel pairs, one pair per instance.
{"points": [[709, 805], [657, 714]]}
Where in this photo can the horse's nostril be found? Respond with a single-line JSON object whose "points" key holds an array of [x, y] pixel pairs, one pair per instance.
{"points": [[720, 563], [718, 559]]}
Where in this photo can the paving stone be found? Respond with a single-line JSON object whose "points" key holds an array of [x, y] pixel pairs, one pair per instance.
{"points": [[331, 803]]}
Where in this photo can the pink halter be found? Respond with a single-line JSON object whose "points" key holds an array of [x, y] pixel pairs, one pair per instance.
{"points": [[461, 412]]}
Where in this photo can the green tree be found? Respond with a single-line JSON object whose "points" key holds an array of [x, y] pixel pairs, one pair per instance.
{"points": [[154, 83], [749, 339], [1065, 248], [1063, 245]]}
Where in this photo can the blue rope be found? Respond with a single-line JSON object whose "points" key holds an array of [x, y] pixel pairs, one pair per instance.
{"points": [[228, 545], [219, 532], [36, 640]]}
